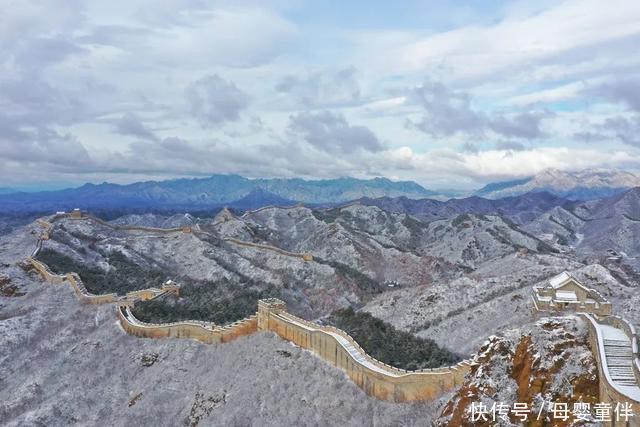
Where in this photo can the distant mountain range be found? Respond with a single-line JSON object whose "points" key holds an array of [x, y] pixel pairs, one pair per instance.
{"points": [[594, 227], [587, 184], [201, 194], [214, 191], [6, 190], [520, 209]]}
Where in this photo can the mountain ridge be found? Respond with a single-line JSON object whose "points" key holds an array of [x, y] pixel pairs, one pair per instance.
{"points": [[520, 208], [587, 184], [213, 191]]}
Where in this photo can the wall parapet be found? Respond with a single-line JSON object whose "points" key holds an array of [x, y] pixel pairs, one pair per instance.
{"points": [[85, 216], [630, 331], [84, 295], [564, 292], [189, 230], [331, 344], [338, 348], [610, 392], [45, 272], [206, 332]]}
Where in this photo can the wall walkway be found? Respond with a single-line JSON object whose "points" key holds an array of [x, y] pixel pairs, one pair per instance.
{"points": [[340, 349], [205, 332], [255, 211], [302, 256], [614, 344], [330, 344]]}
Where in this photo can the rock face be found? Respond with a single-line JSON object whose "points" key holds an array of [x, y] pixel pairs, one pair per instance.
{"points": [[549, 361]]}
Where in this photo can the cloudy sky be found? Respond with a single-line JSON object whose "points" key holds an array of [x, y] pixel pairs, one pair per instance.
{"points": [[451, 95]]}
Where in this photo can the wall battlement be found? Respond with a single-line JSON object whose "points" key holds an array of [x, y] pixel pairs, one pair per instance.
{"points": [[330, 344], [610, 390], [185, 230], [564, 293], [79, 215], [205, 332], [341, 350]]}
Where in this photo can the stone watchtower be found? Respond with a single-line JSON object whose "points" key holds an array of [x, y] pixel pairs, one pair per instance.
{"points": [[265, 308]]}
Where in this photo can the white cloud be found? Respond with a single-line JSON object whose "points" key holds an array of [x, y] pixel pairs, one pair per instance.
{"points": [[107, 81], [513, 45], [546, 96]]}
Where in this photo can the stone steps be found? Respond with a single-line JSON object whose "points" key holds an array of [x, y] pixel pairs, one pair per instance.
{"points": [[609, 341], [620, 361], [618, 351], [621, 371]]}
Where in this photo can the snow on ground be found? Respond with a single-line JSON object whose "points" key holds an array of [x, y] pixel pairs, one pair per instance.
{"points": [[65, 363]]}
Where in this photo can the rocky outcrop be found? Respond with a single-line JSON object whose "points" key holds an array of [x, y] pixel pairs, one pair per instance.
{"points": [[549, 362]]}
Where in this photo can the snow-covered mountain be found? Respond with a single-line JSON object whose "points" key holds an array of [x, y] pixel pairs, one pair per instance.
{"points": [[207, 193], [583, 185], [459, 274]]}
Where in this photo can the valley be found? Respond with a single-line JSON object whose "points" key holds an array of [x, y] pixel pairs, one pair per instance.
{"points": [[454, 282]]}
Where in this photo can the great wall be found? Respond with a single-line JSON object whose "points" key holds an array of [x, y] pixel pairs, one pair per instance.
{"points": [[333, 345], [613, 340]]}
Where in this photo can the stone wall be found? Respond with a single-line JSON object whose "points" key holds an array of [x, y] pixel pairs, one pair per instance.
{"points": [[630, 331], [331, 344], [205, 332], [137, 228], [339, 349], [599, 308], [609, 392], [87, 297], [303, 256], [84, 295], [255, 211], [592, 301], [45, 273]]}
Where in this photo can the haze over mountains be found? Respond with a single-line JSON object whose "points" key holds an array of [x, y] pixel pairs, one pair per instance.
{"points": [[217, 190], [583, 185], [243, 193]]}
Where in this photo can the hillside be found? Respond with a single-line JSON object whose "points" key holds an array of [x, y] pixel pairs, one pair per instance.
{"points": [[458, 314], [549, 358], [520, 209], [439, 289], [362, 257], [129, 380], [559, 226], [594, 228]]}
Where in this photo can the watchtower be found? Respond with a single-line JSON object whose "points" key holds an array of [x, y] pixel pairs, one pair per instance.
{"points": [[265, 308]]}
